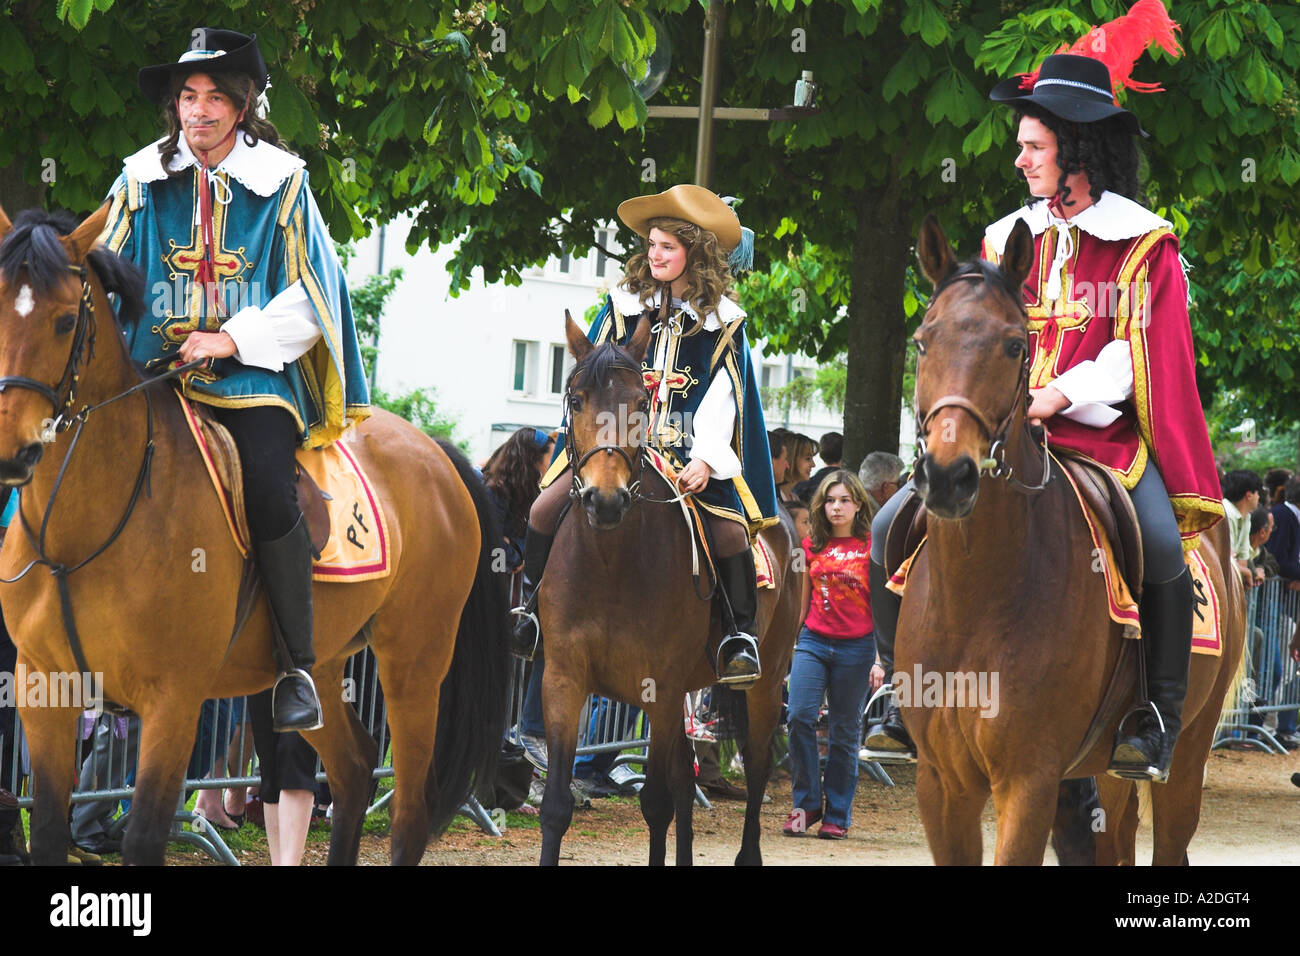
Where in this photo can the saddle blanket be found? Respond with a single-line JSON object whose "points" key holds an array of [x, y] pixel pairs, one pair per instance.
{"points": [[358, 545], [1120, 605], [764, 560]]}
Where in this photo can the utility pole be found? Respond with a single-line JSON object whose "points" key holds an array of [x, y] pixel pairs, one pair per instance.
{"points": [[707, 113]]}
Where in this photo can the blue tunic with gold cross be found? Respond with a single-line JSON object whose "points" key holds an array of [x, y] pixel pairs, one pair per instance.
{"points": [[692, 362], [262, 245]]}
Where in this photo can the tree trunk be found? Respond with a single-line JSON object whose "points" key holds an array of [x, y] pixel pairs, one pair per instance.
{"points": [[16, 194], [881, 250]]}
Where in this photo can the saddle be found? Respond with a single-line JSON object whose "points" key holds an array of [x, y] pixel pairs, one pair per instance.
{"points": [[1101, 492], [225, 461]]}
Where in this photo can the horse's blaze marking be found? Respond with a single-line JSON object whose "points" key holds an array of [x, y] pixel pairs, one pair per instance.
{"points": [[25, 301]]}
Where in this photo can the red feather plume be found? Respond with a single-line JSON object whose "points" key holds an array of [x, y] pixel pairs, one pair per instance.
{"points": [[1120, 43]]}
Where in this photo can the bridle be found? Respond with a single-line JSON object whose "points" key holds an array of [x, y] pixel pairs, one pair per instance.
{"points": [[635, 467], [62, 395], [995, 465]]}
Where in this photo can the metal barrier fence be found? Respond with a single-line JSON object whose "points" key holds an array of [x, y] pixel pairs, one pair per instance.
{"points": [[610, 727], [1269, 692], [223, 758]]}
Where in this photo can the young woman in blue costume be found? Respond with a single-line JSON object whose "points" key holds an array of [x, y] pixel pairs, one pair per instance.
{"points": [[705, 416]]}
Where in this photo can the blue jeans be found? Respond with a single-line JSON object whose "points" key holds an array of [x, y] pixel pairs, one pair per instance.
{"points": [[840, 669], [531, 720]]}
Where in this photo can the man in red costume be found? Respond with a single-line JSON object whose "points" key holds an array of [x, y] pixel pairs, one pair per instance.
{"points": [[1113, 367]]}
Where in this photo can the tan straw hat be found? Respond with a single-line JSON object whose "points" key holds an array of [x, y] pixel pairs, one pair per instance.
{"points": [[693, 203]]}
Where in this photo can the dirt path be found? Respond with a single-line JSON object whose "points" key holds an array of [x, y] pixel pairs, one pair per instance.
{"points": [[1248, 817]]}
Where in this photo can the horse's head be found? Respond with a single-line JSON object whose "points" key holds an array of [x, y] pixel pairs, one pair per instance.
{"points": [[52, 281], [973, 353], [607, 410]]}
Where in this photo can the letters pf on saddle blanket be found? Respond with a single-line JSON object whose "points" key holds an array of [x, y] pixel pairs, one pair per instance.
{"points": [[763, 558], [357, 546], [1111, 534]]}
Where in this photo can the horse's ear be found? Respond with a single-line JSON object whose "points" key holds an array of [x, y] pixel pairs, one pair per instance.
{"points": [[579, 344], [81, 239], [934, 252], [1018, 256], [5, 224], [640, 340]]}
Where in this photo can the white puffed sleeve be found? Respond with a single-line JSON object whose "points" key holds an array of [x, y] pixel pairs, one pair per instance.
{"points": [[276, 334], [1094, 386], [713, 427]]}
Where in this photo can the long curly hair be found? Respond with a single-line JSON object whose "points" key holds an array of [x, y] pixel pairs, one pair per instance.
{"points": [[1105, 150], [511, 473], [240, 89], [821, 526], [709, 277]]}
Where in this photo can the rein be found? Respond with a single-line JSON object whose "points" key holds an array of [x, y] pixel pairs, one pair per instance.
{"points": [[83, 342], [995, 465]]}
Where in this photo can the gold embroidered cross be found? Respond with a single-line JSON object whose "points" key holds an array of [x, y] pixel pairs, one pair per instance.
{"points": [[1049, 321]]}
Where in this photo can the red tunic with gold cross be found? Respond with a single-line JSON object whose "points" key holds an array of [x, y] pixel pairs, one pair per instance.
{"points": [[1119, 277]]}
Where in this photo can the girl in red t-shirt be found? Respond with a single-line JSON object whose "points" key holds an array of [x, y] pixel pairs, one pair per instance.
{"points": [[834, 657]]}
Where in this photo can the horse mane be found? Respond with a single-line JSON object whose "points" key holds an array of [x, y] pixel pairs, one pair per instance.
{"points": [[33, 243], [599, 363], [988, 274]]}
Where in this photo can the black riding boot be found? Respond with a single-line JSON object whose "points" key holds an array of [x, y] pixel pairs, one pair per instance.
{"points": [[285, 566], [527, 633], [737, 664], [889, 733], [1166, 611]]}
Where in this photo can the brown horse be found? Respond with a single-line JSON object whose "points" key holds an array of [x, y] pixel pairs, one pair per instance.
{"points": [[157, 620], [1006, 587], [623, 619]]}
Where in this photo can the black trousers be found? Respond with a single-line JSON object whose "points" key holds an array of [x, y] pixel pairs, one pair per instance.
{"points": [[266, 438], [286, 760]]}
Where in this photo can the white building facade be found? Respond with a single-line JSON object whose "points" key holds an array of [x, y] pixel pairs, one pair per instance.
{"points": [[496, 355]]}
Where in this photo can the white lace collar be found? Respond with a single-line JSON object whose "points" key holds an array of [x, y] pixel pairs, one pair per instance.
{"points": [[629, 303], [1110, 218], [261, 169]]}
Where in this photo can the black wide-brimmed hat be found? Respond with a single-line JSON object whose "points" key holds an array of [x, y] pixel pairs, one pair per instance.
{"points": [[1072, 87], [214, 51]]}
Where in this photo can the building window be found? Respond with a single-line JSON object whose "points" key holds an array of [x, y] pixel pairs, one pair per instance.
{"points": [[564, 264], [603, 238], [558, 370], [523, 376]]}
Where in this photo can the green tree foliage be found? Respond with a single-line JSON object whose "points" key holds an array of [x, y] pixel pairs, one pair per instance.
{"points": [[514, 127], [403, 106]]}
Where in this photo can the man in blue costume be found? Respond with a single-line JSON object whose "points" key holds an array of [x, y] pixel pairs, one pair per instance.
{"points": [[242, 272]]}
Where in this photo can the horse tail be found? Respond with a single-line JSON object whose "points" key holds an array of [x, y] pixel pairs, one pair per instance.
{"points": [[472, 705], [1144, 802]]}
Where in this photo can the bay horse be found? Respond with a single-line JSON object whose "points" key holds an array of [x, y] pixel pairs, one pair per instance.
{"points": [[623, 619], [123, 511], [1005, 586]]}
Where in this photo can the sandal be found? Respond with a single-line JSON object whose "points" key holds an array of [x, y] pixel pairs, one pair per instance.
{"points": [[237, 817]]}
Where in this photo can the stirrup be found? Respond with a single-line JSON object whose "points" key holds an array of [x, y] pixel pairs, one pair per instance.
{"points": [[1153, 771], [298, 672], [738, 681], [523, 614], [878, 754]]}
